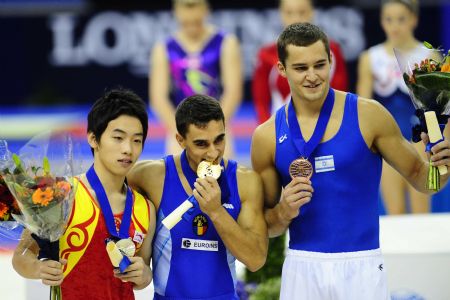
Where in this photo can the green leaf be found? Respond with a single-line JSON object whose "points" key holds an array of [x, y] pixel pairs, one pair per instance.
{"points": [[19, 168], [6, 171], [17, 187], [46, 165], [16, 160], [428, 45]]}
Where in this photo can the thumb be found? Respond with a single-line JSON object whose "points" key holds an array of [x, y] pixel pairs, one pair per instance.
{"points": [[425, 138], [63, 261], [134, 259]]}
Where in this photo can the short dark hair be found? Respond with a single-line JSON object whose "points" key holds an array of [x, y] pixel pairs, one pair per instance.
{"points": [[113, 104], [198, 110], [302, 35]]}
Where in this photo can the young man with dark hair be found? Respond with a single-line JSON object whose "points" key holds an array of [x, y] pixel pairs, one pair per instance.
{"points": [[195, 259], [104, 209], [339, 140]]}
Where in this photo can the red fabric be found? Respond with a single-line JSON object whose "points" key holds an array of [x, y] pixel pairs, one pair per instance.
{"points": [[267, 61], [93, 278], [339, 81]]}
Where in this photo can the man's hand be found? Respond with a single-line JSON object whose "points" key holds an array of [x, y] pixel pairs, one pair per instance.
{"points": [[138, 273], [297, 193], [440, 153], [50, 272], [207, 193]]}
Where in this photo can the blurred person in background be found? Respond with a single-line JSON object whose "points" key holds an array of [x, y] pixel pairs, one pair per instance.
{"points": [[197, 59], [269, 89], [380, 78]]}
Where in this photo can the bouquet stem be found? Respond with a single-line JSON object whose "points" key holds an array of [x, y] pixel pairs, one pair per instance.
{"points": [[433, 181], [55, 293]]}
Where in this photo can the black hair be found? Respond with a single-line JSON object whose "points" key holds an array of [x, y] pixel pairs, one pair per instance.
{"points": [[198, 110], [113, 104], [302, 35]]}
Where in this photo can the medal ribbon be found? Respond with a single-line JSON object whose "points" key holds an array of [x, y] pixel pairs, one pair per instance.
{"points": [[102, 199], [306, 148]]}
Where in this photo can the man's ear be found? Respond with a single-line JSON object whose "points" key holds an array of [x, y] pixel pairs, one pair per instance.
{"points": [[281, 69], [92, 140], [181, 141]]}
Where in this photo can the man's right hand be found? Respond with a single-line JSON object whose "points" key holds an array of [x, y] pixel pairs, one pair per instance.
{"points": [[297, 193], [50, 272]]}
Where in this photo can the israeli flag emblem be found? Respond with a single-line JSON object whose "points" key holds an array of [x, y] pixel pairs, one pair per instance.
{"points": [[324, 164]]}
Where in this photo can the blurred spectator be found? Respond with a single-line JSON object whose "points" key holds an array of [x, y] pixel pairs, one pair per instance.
{"points": [[270, 90], [380, 78], [197, 59]]}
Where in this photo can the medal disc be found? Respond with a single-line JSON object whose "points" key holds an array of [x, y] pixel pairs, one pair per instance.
{"points": [[301, 167], [126, 246], [206, 168]]}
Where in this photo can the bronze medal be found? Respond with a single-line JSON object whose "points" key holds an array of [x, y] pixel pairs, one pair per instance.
{"points": [[126, 247], [301, 167]]}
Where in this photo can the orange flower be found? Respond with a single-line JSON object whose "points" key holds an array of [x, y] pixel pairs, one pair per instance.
{"points": [[62, 189], [43, 197], [3, 210]]}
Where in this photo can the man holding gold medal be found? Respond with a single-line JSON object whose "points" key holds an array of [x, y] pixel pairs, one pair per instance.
{"points": [[198, 237], [105, 251], [325, 149]]}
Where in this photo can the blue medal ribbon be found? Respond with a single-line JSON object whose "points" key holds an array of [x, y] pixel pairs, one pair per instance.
{"points": [[103, 201], [306, 148], [191, 177]]}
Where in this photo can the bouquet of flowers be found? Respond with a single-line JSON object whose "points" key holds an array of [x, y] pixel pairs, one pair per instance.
{"points": [[9, 229], [428, 81], [40, 178]]}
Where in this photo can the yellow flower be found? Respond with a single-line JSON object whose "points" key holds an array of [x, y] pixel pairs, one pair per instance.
{"points": [[43, 197]]}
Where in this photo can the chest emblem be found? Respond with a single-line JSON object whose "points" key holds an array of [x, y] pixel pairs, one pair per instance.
{"points": [[200, 225]]}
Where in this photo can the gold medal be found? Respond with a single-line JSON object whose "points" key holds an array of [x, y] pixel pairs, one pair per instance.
{"points": [[301, 167], [114, 253], [126, 247], [206, 168]]}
